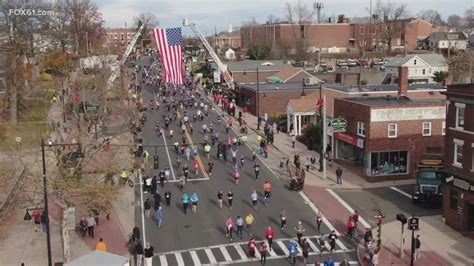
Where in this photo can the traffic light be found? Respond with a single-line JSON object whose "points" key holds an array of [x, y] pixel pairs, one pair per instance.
{"points": [[402, 218], [413, 223], [156, 162]]}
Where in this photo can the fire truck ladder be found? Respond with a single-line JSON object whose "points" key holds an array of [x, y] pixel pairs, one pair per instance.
{"points": [[116, 70], [222, 70]]}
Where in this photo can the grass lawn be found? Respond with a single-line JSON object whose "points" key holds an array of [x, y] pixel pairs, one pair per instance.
{"points": [[32, 126]]}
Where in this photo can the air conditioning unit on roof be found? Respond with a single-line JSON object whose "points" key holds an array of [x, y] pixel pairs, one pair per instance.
{"points": [[310, 81]]}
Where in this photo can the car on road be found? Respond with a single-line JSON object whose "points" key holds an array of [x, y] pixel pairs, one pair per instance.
{"points": [[363, 62]]}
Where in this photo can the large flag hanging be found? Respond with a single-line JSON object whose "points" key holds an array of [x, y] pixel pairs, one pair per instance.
{"points": [[169, 43]]}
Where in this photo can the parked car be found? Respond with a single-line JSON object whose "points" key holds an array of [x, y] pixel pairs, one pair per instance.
{"points": [[377, 62], [363, 62], [88, 106], [351, 62], [341, 63]]}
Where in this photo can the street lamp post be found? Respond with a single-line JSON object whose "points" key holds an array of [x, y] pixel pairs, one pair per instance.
{"points": [[45, 194], [321, 123], [258, 102]]}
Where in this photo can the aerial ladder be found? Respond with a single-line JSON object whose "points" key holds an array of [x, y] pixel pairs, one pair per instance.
{"points": [[116, 69], [220, 67]]}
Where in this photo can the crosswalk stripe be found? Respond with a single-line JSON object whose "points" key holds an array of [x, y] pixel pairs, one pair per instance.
{"points": [[257, 253], [312, 245], [225, 254], [179, 259], [283, 247], [163, 261], [195, 258], [211, 257], [240, 251], [272, 252]]}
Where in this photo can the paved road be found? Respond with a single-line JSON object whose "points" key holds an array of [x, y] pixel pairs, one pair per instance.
{"points": [[391, 201], [199, 237]]}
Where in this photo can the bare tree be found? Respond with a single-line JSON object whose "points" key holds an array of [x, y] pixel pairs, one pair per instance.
{"points": [[150, 21], [86, 25], [454, 21], [272, 19], [251, 22], [299, 15], [432, 16], [469, 19], [390, 25], [460, 66]]}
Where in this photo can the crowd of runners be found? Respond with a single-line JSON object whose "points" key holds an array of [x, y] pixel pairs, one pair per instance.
{"points": [[188, 108]]}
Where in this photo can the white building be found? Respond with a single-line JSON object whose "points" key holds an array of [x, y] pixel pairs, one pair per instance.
{"points": [[445, 40], [230, 54], [420, 66]]}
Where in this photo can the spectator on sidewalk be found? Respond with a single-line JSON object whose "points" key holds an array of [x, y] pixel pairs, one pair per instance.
{"points": [[375, 258], [44, 221], [148, 254], [83, 227], [90, 225], [138, 252], [367, 240], [329, 262], [101, 245], [293, 140], [282, 166], [339, 175], [417, 244]]}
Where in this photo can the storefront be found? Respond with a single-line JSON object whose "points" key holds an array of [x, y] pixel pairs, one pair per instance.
{"points": [[388, 163], [349, 148], [458, 203]]}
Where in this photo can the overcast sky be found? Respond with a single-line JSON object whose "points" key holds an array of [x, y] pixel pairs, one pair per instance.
{"points": [[209, 14]]}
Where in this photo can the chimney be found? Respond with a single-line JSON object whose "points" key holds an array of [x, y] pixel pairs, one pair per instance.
{"points": [[403, 81]]}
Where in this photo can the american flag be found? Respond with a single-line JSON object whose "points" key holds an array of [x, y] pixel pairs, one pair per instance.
{"points": [[169, 43]]}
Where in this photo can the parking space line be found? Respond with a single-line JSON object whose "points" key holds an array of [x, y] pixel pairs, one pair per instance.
{"points": [[349, 208], [401, 192]]}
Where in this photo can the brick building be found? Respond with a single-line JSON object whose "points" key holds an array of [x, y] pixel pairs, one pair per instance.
{"points": [[458, 190], [385, 137], [343, 36], [119, 38]]}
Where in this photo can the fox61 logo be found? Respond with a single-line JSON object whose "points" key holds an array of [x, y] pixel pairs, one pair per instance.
{"points": [[29, 12]]}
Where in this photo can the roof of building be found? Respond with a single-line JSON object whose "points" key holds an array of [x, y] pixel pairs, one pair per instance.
{"points": [[98, 257], [302, 105], [389, 100], [444, 35], [382, 87], [430, 59], [265, 87], [251, 65]]}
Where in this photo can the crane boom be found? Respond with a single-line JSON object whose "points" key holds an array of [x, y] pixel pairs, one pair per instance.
{"points": [[222, 70], [115, 70]]}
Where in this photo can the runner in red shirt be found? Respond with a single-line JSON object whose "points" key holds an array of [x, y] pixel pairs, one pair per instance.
{"points": [[269, 233], [251, 245]]}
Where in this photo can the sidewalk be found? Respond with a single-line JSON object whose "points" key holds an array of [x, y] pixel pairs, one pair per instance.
{"points": [[29, 246]]}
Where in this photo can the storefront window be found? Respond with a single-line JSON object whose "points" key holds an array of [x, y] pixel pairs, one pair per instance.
{"points": [[386, 163], [348, 152], [453, 202]]}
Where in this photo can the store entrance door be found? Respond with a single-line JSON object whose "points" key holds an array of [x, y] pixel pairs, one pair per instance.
{"points": [[470, 221]]}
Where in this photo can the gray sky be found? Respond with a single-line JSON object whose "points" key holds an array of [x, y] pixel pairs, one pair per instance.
{"points": [[208, 14]]}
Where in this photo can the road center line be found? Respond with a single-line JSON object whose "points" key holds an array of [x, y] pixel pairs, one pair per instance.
{"points": [[349, 208], [401, 192]]}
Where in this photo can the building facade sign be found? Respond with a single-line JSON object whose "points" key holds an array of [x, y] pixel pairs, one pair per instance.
{"points": [[350, 139], [339, 124], [459, 183], [407, 114]]}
